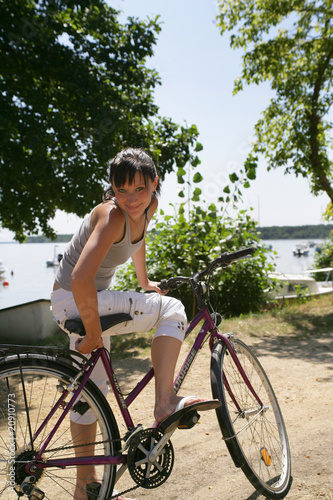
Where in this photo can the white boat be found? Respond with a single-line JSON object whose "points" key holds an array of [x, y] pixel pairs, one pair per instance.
{"points": [[301, 250], [292, 286], [3, 268], [28, 322], [56, 258]]}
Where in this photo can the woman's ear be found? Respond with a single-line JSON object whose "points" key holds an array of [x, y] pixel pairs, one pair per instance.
{"points": [[156, 182]]}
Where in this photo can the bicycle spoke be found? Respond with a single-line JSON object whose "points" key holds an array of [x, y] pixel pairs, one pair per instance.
{"points": [[255, 435], [34, 401]]}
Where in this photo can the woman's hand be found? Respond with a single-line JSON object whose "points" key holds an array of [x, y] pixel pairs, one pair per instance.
{"points": [[86, 345], [152, 286]]}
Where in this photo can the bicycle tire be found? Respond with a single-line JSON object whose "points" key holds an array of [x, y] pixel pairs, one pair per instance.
{"points": [[257, 440], [42, 379]]}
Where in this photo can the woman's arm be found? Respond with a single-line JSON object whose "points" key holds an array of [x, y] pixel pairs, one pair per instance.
{"points": [[139, 260], [107, 229]]}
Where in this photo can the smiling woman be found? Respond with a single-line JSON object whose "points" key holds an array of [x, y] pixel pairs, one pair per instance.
{"points": [[109, 235], [135, 197]]}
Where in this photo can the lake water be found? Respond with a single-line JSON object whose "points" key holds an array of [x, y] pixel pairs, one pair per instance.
{"points": [[32, 279]]}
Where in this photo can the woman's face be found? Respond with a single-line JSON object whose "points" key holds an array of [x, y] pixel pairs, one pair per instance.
{"points": [[135, 198]]}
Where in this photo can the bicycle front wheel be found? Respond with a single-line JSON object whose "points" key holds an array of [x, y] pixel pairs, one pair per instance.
{"points": [[28, 393], [256, 436]]}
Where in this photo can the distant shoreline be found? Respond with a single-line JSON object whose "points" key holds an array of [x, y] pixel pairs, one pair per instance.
{"points": [[311, 232]]}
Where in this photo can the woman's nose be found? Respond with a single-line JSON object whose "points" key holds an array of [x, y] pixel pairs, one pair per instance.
{"points": [[131, 198]]}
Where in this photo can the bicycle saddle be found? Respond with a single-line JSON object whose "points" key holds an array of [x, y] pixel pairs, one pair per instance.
{"points": [[76, 325]]}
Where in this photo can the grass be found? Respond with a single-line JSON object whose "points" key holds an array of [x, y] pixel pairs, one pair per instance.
{"points": [[314, 318]]}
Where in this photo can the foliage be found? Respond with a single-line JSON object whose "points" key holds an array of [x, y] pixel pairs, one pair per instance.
{"points": [[328, 214], [324, 258], [177, 246], [290, 45], [74, 90]]}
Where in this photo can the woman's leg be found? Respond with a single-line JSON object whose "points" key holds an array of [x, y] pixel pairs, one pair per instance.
{"points": [[84, 474], [164, 353], [83, 428]]}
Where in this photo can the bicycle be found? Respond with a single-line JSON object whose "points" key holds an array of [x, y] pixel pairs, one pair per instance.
{"points": [[39, 457]]}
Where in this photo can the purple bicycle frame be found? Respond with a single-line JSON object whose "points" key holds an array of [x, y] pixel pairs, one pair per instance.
{"points": [[208, 328]]}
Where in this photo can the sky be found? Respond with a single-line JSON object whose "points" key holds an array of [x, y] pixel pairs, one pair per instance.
{"points": [[197, 69]]}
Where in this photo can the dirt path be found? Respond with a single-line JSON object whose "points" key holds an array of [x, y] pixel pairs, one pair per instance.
{"points": [[301, 374]]}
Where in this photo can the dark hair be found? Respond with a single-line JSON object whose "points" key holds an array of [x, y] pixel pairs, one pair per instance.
{"points": [[124, 166]]}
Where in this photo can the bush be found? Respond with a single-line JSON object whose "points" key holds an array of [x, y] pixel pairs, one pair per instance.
{"points": [[177, 246], [324, 258]]}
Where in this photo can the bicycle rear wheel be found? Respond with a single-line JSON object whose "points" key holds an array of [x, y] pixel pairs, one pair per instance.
{"points": [[24, 407], [256, 437]]}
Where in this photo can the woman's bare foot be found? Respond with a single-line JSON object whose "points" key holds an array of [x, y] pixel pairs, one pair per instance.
{"points": [[164, 409]]}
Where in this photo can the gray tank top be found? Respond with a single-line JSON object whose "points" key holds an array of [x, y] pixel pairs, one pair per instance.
{"points": [[118, 254]]}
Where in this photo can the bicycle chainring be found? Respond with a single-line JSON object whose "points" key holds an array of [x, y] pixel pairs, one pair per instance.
{"points": [[147, 472]]}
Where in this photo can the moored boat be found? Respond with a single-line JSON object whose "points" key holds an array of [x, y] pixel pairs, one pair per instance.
{"points": [[301, 250], [3, 268], [56, 258], [28, 322], [292, 286]]}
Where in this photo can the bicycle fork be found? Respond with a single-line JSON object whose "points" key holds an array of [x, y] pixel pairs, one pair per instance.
{"points": [[227, 339]]}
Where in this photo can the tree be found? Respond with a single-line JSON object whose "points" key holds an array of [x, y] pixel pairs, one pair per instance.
{"points": [[288, 43], [74, 90]]}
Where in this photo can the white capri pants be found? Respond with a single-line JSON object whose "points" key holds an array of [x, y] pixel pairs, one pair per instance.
{"points": [[148, 310]]}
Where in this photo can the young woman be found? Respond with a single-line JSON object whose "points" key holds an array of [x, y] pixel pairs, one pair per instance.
{"points": [[109, 235]]}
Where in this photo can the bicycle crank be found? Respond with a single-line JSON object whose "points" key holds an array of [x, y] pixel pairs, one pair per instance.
{"points": [[149, 461]]}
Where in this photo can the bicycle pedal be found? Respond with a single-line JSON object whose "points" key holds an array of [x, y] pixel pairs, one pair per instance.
{"points": [[189, 420]]}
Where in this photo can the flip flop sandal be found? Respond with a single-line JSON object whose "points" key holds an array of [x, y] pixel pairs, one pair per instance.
{"points": [[185, 417]]}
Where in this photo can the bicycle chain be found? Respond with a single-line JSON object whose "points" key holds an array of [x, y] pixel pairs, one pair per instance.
{"points": [[80, 445], [121, 493]]}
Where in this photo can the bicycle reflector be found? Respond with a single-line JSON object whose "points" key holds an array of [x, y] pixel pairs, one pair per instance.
{"points": [[265, 456]]}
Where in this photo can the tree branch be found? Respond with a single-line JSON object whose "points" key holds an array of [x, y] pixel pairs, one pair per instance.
{"points": [[314, 120]]}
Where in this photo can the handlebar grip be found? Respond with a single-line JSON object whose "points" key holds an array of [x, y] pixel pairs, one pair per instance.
{"points": [[227, 258], [163, 285]]}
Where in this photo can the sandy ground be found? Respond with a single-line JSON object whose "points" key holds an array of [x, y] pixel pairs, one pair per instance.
{"points": [[302, 376]]}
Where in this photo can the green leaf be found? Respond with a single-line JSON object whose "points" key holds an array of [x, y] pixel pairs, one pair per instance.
{"points": [[233, 177], [181, 172], [196, 194], [197, 177], [195, 162]]}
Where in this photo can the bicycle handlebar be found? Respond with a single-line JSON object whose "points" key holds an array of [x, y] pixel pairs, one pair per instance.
{"points": [[225, 260]]}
